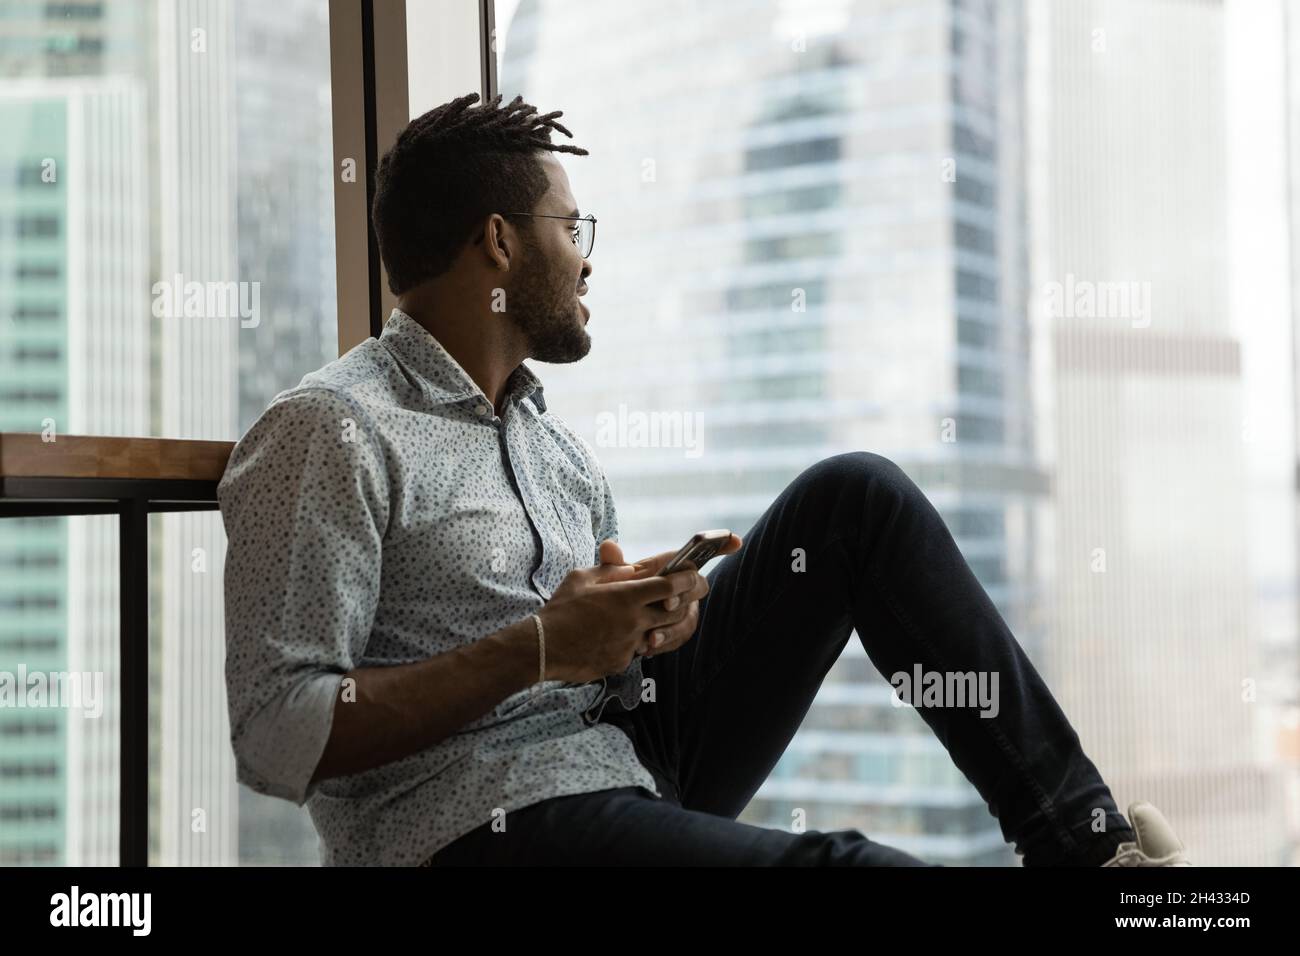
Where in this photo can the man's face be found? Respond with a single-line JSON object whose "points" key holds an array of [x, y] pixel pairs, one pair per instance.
{"points": [[542, 292]]}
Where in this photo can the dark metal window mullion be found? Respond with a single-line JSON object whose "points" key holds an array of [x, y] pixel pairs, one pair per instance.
{"points": [[372, 162]]}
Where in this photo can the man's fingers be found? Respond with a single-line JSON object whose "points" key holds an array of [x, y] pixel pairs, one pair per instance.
{"points": [[648, 567], [675, 634], [656, 588], [696, 593], [611, 552], [683, 581], [658, 618], [607, 573]]}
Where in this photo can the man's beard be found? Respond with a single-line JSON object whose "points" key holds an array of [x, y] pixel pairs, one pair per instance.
{"points": [[548, 317]]}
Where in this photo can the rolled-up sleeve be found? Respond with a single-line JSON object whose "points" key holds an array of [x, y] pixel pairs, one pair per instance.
{"points": [[304, 500]]}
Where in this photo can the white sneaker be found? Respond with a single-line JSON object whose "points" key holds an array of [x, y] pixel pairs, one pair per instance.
{"points": [[1157, 844]]}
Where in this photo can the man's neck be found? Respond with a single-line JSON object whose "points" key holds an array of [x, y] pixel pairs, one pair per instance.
{"points": [[483, 345]]}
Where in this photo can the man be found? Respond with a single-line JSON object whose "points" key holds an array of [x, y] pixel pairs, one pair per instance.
{"points": [[435, 642]]}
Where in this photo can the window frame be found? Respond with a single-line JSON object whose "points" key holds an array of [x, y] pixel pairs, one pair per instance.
{"points": [[370, 80]]}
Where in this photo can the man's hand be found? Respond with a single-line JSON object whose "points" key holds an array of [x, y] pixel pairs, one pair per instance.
{"points": [[681, 628], [598, 617]]}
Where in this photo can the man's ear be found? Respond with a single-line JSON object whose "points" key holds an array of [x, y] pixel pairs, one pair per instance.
{"points": [[498, 242]]}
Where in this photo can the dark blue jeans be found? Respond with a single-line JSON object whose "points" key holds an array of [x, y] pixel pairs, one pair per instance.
{"points": [[878, 560]]}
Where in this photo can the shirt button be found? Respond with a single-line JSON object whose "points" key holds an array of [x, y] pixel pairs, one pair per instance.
{"points": [[481, 409]]}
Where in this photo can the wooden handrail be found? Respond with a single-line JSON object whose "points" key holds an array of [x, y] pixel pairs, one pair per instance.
{"points": [[134, 478], [26, 455]]}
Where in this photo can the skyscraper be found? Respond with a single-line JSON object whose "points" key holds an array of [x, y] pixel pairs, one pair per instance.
{"points": [[74, 358], [186, 143], [1154, 630], [811, 225]]}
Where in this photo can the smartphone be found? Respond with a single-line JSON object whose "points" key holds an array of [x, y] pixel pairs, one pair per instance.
{"points": [[703, 546]]}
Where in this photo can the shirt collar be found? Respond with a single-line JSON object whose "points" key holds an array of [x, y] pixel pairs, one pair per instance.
{"points": [[444, 379]]}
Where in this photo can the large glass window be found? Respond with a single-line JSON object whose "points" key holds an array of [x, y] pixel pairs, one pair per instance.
{"points": [[166, 267], [992, 241], [1040, 254]]}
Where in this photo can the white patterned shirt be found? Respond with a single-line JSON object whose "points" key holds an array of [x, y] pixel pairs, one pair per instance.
{"points": [[380, 513]]}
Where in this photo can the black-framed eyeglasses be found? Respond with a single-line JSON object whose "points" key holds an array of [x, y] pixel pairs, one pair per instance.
{"points": [[584, 229]]}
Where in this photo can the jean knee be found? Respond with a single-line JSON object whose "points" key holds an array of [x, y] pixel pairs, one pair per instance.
{"points": [[864, 468]]}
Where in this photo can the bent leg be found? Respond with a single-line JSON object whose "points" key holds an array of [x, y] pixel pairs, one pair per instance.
{"points": [[630, 827], [877, 558]]}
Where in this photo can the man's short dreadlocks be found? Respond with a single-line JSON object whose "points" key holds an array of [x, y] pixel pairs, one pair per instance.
{"points": [[448, 171]]}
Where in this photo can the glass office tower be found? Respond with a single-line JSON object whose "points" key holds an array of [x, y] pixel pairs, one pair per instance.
{"points": [[146, 140], [1156, 638], [810, 241]]}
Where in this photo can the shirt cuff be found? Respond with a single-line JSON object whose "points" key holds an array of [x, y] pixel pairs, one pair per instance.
{"points": [[281, 745]]}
